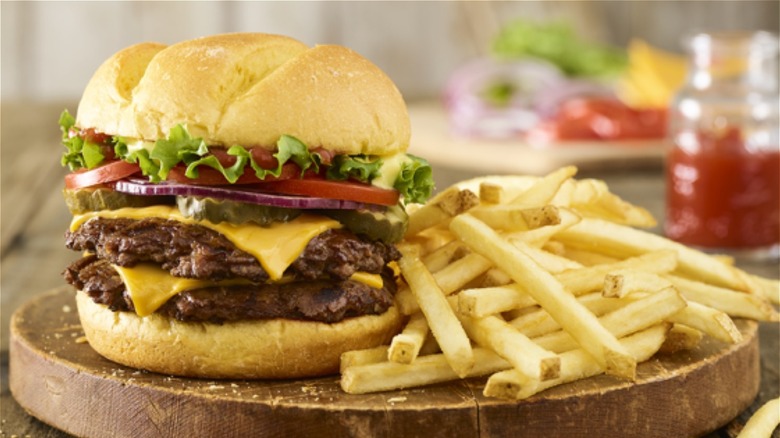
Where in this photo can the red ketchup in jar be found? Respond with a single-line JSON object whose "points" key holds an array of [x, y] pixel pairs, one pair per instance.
{"points": [[722, 194]]}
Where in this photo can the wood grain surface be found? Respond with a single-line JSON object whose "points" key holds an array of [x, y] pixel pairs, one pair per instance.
{"points": [[58, 378]]}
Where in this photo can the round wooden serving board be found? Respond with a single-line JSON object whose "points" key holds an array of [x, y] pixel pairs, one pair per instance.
{"points": [[58, 378]]}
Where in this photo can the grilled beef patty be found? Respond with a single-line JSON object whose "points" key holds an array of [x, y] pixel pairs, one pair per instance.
{"points": [[194, 251], [327, 301]]}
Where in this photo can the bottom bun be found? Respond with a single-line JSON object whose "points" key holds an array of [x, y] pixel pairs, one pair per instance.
{"points": [[267, 349]]}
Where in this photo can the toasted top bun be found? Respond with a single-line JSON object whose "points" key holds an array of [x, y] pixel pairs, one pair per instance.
{"points": [[248, 89]]}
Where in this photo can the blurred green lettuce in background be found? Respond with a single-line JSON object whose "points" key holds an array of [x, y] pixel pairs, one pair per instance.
{"points": [[558, 44]]}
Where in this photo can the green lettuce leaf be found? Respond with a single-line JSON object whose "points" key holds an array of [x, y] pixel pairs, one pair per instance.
{"points": [[231, 173], [67, 121], [560, 45], [415, 180], [178, 147], [290, 148], [79, 153], [359, 167], [141, 157], [93, 154]]}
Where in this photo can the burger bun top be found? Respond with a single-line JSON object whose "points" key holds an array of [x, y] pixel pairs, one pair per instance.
{"points": [[248, 89]]}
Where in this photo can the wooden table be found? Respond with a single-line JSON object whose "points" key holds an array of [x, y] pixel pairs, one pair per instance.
{"points": [[34, 219]]}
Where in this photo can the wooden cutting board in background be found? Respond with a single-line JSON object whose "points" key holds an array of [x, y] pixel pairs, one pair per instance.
{"points": [[433, 140], [58, 378]]}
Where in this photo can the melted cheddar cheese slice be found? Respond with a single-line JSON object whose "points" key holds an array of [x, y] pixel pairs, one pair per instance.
{"points": [[275, 246], [150, 286]]}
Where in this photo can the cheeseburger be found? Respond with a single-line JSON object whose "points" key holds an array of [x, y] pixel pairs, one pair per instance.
{"points": [[236, 199]]}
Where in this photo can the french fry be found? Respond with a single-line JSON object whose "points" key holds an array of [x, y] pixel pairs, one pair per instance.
{"points": [[538, 322], [725, 259], [681, 338], [544, 189], [540, 236], [641, 346], [449, 279], [495, 277], [405, 300], [490, 193], [576, 364], [592, 198], [557, 248], [763, 422], [441, 257], [535, 323], [511, 185], [643, 313], [512, 218], [585, 257], [429, 346], [363, 357], [430, 240], [541, 216], [462, 271], [425, 370], [550, 262], [447, 204], [441, 318], [548, 292], [620, 283], [767, 287], [600, 305], [480, 302], [587, 191], [507, 384], [710, 321], [618, 240], [530, 360], [406, 345], [734, 303], [564, 196], [591, 278], [520, 311]]}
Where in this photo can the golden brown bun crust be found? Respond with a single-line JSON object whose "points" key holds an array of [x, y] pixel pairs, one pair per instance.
{"points": [[248, 89], [246, 350]]}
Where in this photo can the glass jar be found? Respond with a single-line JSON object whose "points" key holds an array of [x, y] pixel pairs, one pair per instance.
{"points": [[723, 165]]}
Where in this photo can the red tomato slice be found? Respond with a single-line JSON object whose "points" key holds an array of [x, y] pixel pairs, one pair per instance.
{"points": [[321, 188], [106, 173], [92, 136]]}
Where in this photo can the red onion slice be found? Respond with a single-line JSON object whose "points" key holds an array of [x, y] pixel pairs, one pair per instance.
{"points": [[471, 115], [145, 188]]}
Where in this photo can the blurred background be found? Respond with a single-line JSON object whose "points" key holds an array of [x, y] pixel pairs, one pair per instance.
{"points": [[50, 49]]}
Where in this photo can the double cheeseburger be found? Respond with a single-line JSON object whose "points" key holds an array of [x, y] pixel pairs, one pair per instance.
{"points": [[236, 199]]}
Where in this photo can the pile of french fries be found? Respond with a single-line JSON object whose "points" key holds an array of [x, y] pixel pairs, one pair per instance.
{"points": [[536, 282]]}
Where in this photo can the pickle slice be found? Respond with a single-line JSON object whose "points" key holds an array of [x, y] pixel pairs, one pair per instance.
{"points": [[81, 201], [388, 226], [234, 212]]}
